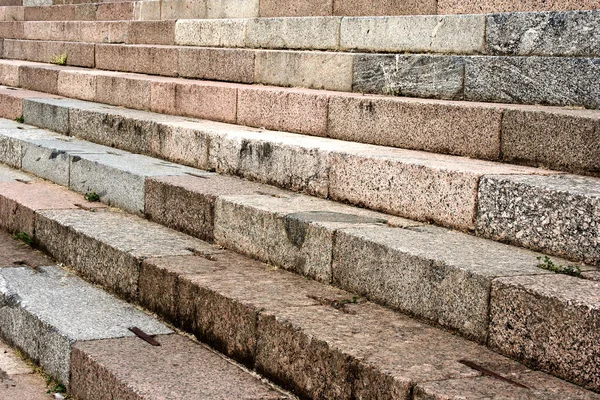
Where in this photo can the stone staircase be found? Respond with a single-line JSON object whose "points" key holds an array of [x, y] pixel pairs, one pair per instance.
{"points": [[351, 207]]}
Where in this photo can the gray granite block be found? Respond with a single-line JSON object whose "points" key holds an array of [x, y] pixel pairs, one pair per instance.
{"points": [[566, 33], [107, 247], [409, 75], [556, 214], [45, 311], [46, 114], [558, 81], [433, 273], [294, 33]]}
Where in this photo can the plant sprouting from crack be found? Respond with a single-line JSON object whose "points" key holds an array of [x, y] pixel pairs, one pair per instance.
{"points": [[548, 264], [24, 238], [20, 119], [92, 197], [59, 59]]}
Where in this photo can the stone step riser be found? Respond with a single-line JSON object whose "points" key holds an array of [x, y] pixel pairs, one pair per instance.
{"points": [[76, 12], [278, 317], [421, 186], [561, 139]]}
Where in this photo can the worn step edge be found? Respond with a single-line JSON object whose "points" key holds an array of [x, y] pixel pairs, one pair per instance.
{"points": [[329, 169], [288, 318], [564, 139]]}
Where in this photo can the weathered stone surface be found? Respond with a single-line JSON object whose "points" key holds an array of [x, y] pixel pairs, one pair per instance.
{"points": [[571, 33], [293, 68], [46, 310], [442, 127], [559, 81], [153, 60], [495, 6], [121, 368], [550, 322], [211, 32], [147, 10], [439, 77], [294, 33], [554, 214], [46, 115], [11, 107], [232, 9], [151, 32], [283, 8], [107, 247], [11, 29], [10, 142], [39, 79], [9, 72], [538, 386], [295, 232], [463, 34], [383, 7], [14, 253], [182, 9], [233, 65], [115, 11], [301, 111], [77, 84], [79, 54], [12, 13], [18, 380], [123, 90], [429, 272], [182, 142]]}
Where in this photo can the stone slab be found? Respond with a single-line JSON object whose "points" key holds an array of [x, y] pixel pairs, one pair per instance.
{"points": [[430, 272], [151, 32], [123, 90], [46, 310], [12, 13], [463, 34], [383, 7], [497, 6], [232, 9], [523, 210], [9, 72], [307, 33], [14, 253], [233, 65], [46, 115], [211, 32], [282, 8], [77, 84], [153, 60], [11, 29], [568, 33], [549, 322], [180, 9], [24, 386], [39, 79], [146, 10], [121, 368], [78, 54]]}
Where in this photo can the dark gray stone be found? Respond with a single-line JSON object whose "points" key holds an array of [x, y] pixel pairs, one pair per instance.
{"points": [[46, 114], [556, 214], [533, 80], [409, 75], [567, 33]]}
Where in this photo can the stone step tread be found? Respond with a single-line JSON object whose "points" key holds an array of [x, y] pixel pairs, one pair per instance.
{"points": [[332, 243], [499, 132], [123, 10], [341, 345]]}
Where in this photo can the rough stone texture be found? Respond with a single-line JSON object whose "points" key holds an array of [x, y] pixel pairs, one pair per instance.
{"points": [[11, 29], [152, 32], [12, 13], [383, 7], [9, 72], [11, 107], [115, 11], [439, 77], [147, 10], [495, 6], [77, 84], [561, 139], [46, 115], [555, 214], [533, 80], [295, 110], [284, 8], [294, 33], [432, 273], [232, 9], [182, 142], [128, 369], [14, 253], [294, 232], [46, 310], [540, 386], [107, 247], [211, 33], [549, 322], [10, 142], [123, 90], [79, 54], [441, 127], [39, 79], [233, 65], [153, 60], [463, 34], [293, 68], [182, 9], [572, 33], [411, 184], [186, 203]]}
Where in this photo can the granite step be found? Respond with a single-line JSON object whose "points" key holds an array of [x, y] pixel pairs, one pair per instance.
{"points": [[317, 340], [563, 139], [80, 336], [450, 191], [125, 10]]}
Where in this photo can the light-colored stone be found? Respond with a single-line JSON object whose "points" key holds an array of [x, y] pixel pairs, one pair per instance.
{"points": [[9, 72], [498, 6], [310, 33], [182, 9], [232, 65], [146, 10], [211, 33], [232, 9], [153, 60], [79, 54], [463, 34], [77, 84], [284, 8], [384, 7], [12, 13]]}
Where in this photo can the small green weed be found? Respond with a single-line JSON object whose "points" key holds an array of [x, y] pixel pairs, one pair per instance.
{"points": [[25, 238], [53, 386], [548, 264], [92, 197], [20, 119], [60, 59]]}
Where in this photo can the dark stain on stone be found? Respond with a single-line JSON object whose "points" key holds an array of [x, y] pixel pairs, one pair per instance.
{"points": [[55, 154], [76, 159]]}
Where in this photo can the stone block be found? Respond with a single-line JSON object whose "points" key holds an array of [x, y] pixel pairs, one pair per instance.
{"points": [[556, 138], [115, 11], [464, 34], [497, 6], [146, 10], [152, 32], [233, 65], [153, 60], [211, 32], [294, 33], [123, 90], [47, 310], [438, 77], [571, 33], [182, 142], [11, 107], [11, 29], [12, 13], [384, 7], [219, 9], [77, 84], [78, 54], [39, 79], [467, 129], [112, 368], [182, 9], [9, 72], [296, 110], [549, 322], [46, 115], [554, 214], [561, 81], [282, 8]]}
